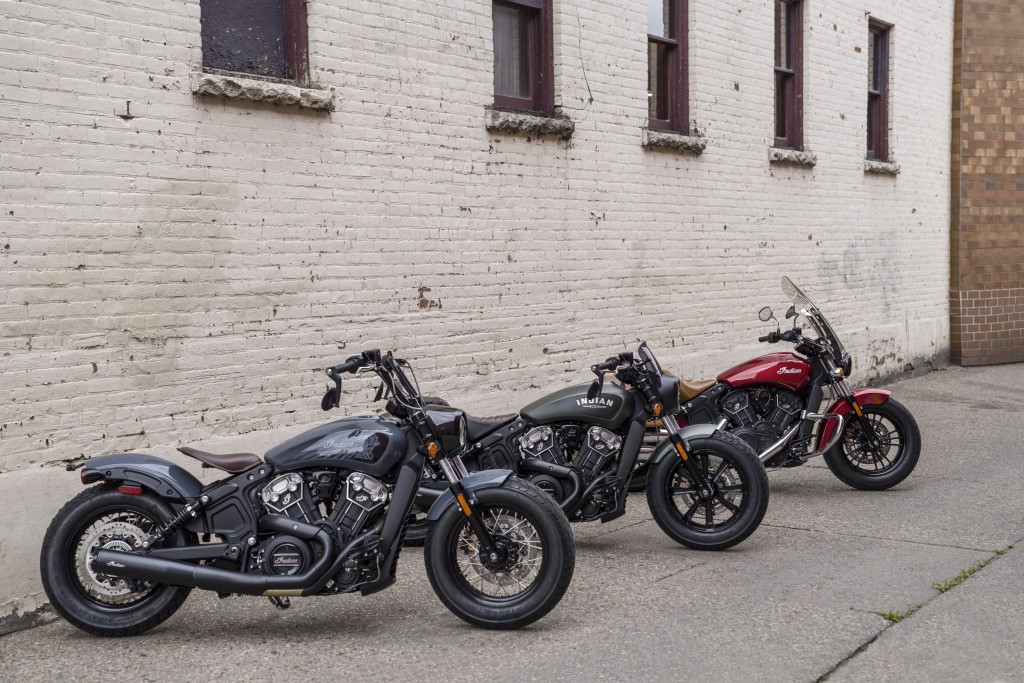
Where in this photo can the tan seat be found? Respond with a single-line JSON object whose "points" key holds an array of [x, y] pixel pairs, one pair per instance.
{"points": [[691, 390], [229, 462]]}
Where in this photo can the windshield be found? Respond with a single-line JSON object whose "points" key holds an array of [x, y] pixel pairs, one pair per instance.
{"points": [[805, 307], [650, 362]]}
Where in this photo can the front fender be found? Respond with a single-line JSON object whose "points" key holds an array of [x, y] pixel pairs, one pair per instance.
{"points": [[164, 478], [702, 431], [488, 479], [865, 397]]}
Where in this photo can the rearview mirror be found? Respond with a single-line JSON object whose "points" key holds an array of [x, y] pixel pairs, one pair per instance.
{"points": [[595, 389], [791, 313], [331, 399], [766, 314]]}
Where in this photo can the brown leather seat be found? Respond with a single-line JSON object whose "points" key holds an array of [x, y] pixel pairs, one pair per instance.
{"points": [[479, 427], [690, 390], [229, 462]]}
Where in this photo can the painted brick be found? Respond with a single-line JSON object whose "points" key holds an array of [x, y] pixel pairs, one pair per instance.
{"points": [[209, 257]]}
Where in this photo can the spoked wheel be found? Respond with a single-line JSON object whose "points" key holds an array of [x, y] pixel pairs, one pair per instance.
{"points": [[721, 508], [104, 519], [881, 459], [528, 574]]}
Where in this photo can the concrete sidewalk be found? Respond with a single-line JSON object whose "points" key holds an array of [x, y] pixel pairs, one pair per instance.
{"points": [[798, 600]]}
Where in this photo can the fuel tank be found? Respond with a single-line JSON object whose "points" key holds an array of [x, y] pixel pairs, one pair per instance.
{"points": [[784, 369], [611, 409], [366, 443]]}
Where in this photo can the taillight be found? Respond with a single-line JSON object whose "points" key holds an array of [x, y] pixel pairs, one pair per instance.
{"points": [[81, 476], [134, 490]]}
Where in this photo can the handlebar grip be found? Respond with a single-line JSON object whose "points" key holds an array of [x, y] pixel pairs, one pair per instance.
{"points": [[764, 338], [350, 365]]}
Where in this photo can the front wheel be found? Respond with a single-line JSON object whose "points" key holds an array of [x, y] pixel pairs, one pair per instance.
{"points": [[887, 462], [722, 507], [103, 518], [526, 581]]}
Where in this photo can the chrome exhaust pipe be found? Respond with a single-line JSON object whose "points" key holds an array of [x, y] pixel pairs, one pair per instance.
{"points": [[778, 445]]}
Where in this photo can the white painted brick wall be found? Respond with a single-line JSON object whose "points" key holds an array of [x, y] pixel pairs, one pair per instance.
{"points": [[185, 273]]}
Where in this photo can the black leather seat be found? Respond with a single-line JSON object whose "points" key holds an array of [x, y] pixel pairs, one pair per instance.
{"points": [[479, 427], [229, 462]]}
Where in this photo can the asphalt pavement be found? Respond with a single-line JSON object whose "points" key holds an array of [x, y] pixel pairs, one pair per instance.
{"points": [[800, 600]]}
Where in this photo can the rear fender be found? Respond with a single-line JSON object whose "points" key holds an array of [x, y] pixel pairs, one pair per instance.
{"points": [[488, 479], [865, 397], [163, 478], [704, 431]]}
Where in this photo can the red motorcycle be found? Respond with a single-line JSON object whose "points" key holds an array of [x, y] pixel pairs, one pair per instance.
{"points": [[773, 402]]}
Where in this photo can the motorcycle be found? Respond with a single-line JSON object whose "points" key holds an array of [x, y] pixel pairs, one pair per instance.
{"points": [[869, 440], [580, 445], [322, 514]]}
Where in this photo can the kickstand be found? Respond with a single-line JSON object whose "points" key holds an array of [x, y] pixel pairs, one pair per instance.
{"points": [[280, 602]]}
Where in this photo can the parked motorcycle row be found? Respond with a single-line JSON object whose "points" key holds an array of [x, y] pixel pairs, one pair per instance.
{"points": [[329, 511]]}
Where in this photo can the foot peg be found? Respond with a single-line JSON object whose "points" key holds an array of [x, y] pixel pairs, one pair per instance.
{"points": [[280, 602]]}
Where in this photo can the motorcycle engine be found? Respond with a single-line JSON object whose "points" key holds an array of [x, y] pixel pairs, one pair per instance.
{"points": [[361, 497], [288, 495], [760, 416], [599, 446]]}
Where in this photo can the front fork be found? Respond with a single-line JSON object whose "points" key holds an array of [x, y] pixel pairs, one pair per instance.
{"points": [[454, 470], [843, 390], [675, 435]]}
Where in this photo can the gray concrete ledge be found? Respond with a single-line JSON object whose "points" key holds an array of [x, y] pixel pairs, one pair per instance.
{"points": [[881, 167], [255, 90], [795, 157], [679, 142], [506, 121]]}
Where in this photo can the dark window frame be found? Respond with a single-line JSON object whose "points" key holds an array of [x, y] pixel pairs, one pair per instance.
{"points": [[675, 67], [790, 78], [541, 59], [296, 46], [878, 99]]}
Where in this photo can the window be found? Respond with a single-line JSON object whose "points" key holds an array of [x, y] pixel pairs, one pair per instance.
{"points": [[523, 55], [789, 73], [667, 65], [264, 38], [878, 91]]}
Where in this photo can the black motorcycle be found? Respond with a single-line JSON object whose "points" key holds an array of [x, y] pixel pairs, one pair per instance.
{"points": [[580, 445], [323, 514]]}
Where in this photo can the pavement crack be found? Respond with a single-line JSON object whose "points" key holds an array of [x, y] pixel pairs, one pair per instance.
{"points": [[941, 589], [877, 538], [677, 572]]}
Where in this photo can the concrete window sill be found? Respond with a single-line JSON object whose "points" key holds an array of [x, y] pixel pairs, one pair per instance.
{"points": [[881, 167], [792, 157], [255, 90], [507, 121], [677, 142]]}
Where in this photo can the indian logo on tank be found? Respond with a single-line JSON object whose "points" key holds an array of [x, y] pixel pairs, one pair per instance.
{"points": [[789, 371], [598, 402]]}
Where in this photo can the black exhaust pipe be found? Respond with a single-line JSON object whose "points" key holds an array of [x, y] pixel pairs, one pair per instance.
{"points": [[174, 573], [561, 471]]}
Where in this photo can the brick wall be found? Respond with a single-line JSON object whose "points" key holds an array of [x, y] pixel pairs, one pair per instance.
{"points": [[987, 215], [174, 268]]}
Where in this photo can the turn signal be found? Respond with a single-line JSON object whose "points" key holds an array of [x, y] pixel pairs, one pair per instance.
{"points": [[657, 410], [432, 449]]}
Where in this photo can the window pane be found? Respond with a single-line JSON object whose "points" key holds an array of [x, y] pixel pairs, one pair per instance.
{"points": [[247, 37], [782, 57], [659, 18], [658, 86], [872, 61], [511, 51], [782, 84], [872, 121]]}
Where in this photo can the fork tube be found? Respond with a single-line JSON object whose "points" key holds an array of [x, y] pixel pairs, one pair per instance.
{"points": [[466, 500]]}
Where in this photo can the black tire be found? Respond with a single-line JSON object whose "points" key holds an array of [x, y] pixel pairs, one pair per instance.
{"points": [[521, 500], [848, 458], [747, 492], [69, 594]]}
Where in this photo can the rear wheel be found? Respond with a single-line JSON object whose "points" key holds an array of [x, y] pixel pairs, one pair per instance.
{"points": [[102, 518], [889, 460], [721, 508], [522, 583]]}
